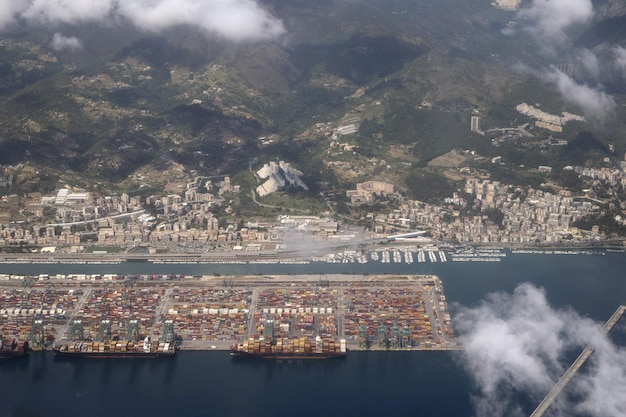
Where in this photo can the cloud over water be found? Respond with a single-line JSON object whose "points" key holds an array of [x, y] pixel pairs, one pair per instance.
{"points": [[518, 346]]}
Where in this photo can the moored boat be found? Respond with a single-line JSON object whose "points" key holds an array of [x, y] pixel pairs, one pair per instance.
{"points": [[117, 349], [285, 348], [13, 349]]}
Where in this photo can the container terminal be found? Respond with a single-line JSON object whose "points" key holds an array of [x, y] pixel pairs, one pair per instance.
{"points": [[114, 315]]}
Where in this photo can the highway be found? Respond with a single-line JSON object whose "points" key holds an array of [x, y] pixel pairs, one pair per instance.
{"points": [[569, 374]]}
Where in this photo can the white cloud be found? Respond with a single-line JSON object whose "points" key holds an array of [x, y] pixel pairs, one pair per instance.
{"points": [[620, 57], [9, 11], [515, 346], [67, 11], [590, 62], [60, 42], [548, 19], [602, 390], [595, 103], [239, 20], [234, 19]]}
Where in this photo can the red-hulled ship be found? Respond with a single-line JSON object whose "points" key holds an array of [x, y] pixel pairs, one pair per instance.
{"points": [[284, 348]]}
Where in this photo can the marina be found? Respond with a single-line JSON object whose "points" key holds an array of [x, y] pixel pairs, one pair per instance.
{"points": [[400, 255], [394, 255]]}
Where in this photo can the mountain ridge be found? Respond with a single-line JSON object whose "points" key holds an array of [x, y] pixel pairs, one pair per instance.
{"points": [[204, 102]]}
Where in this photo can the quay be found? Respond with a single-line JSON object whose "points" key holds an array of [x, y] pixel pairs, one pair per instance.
{"points": [[576, 365], [372, 312]]}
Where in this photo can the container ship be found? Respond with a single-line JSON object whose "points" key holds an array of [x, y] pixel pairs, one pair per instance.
{"points": [[117, 349], [12, 349], [284, 348]]}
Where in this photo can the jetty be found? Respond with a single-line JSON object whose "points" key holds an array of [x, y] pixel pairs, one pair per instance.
{"points": [[571, 371]]}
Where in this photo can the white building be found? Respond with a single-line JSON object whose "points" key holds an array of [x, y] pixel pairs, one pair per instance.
{"points": [[278, 175], [475, 124], [65, 197]]}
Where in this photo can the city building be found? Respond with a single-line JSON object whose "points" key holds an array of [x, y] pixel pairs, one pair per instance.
{"points": [[475, 124]]}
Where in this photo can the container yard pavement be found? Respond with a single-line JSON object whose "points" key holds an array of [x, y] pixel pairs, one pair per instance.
{"points": [[375, 312]]}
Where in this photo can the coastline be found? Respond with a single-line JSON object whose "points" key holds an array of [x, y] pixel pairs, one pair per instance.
{"points": [[277, 258]]}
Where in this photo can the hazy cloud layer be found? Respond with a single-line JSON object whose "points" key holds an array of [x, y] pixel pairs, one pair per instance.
{"points": [[239, 20], [60, 42], [66, 11], [9, 11], [595, 103], [620, 57], [547, 20], [514, 349], [590, 62]]}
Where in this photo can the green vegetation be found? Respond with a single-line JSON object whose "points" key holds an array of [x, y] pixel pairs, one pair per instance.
{"points": [[293, 202], [513, 176], [427, 186], [606, 223], [430, 132], [569, 179], [133, 102], [495, 215]]}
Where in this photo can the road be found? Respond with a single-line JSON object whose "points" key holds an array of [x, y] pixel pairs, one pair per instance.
{"points": [[79, 305], [161, 308]]}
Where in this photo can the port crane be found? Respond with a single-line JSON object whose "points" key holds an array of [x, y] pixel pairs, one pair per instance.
{"points": [[104, 331], [396, 337], [132, 331], [268, 329], [36, 338], [76, 329], [28, 282], [383, 338], [406, 340], [364, 342], [167, 334]]}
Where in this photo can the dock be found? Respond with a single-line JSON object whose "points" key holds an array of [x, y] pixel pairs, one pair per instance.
{"points": [[372, 312], [573, 369]]}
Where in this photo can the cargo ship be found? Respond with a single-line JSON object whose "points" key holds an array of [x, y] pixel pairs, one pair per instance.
{"points": [[117, 349], [284, 348], [12, 349]]}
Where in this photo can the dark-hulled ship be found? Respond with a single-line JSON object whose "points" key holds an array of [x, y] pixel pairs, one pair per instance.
{"points": [[285, 348], [117, 349], [12, 349]]}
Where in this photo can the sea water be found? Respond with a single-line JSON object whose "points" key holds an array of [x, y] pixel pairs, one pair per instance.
{"points": [[363, 384]]}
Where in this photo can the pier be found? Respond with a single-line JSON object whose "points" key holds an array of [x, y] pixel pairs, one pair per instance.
{"points": [[569, 374], [377, 312]]}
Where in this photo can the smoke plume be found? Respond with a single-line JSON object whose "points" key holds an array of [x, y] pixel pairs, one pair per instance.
{"points": [[515, 346]]}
